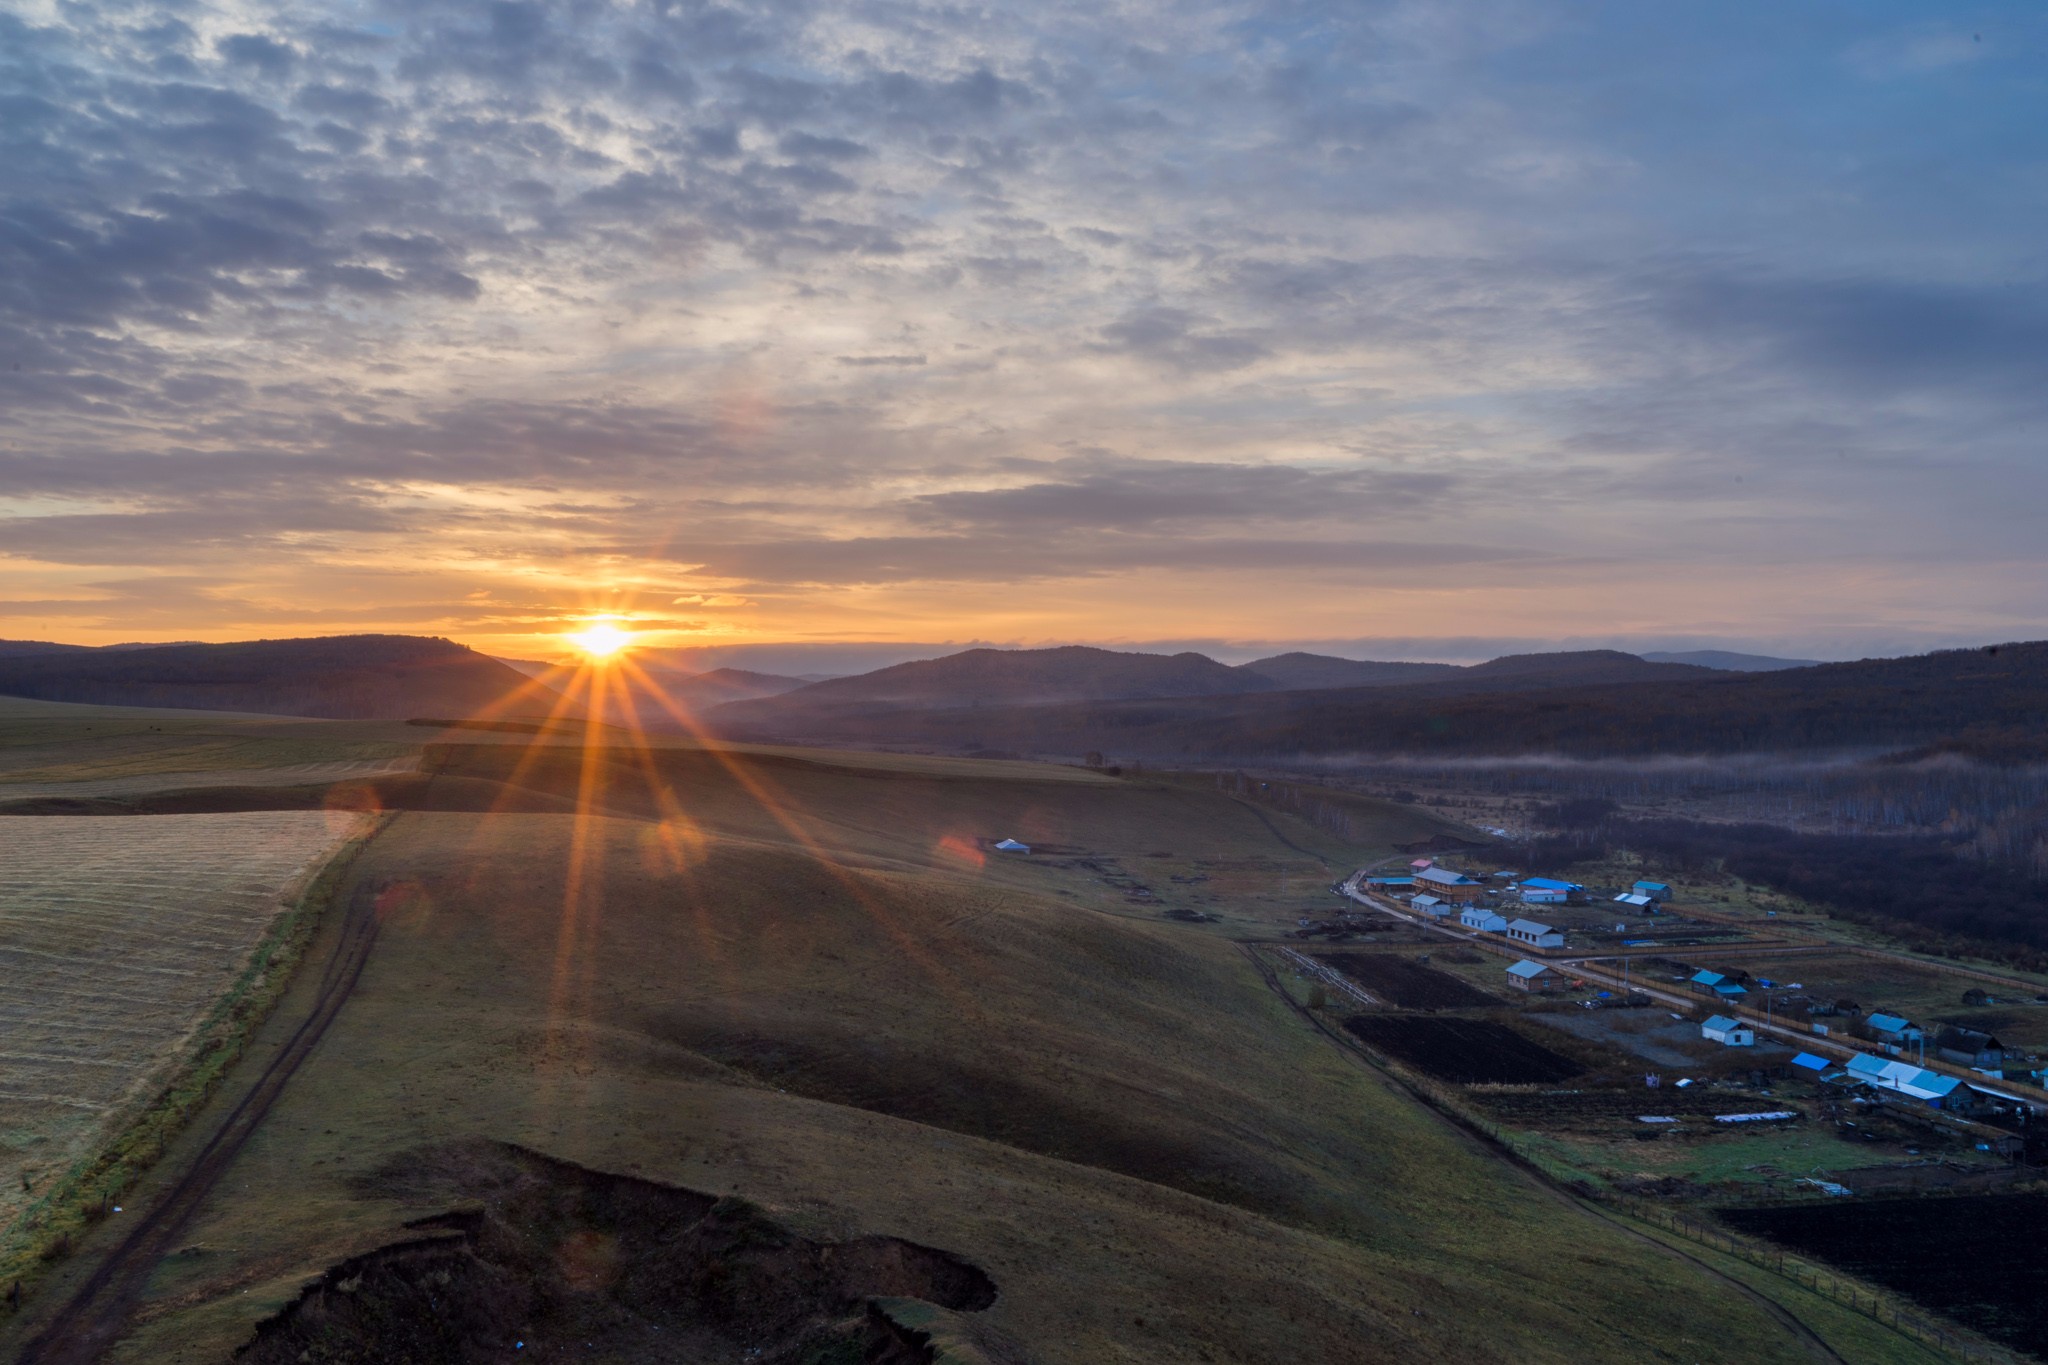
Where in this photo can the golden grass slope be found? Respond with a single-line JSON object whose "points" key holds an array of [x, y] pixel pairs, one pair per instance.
{"points": [[776, 980], [116, 935]]}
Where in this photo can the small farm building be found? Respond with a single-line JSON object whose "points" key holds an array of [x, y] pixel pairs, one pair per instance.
{"points": [[1893, 1028], [1535, 935], [1971, 1047], [1452, 885], [1806, 1061], [1544, 897], [1534, 976], [1485, 921], [1421, 863], [1635, 898], [1551, 889], [1433, 907], [1728, 1032], [1656, 891], [1012, 846], [1392, 883]]}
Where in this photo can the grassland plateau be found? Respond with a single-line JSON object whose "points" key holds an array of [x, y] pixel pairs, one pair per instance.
{"points": [[676, 1053]]}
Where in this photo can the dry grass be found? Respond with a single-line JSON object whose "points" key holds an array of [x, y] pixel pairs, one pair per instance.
{"points": [[117, 935], [786, 983]]}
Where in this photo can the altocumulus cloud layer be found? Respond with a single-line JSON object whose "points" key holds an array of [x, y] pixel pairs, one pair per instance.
{"points": [[1091, 321]]}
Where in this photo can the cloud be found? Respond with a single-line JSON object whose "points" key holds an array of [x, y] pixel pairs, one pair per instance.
{"points": [[1143, 494], [910, 302]]}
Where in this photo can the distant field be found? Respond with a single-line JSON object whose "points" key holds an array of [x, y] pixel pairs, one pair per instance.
{"points": [[116, 935], [49, 748]]}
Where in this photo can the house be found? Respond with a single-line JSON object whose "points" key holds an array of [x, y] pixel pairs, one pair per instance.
{"points": [[1549, 889], [1484, 921], [1728, 1032], [1391, 883], [1636, 899], [1012, 846], [1535, 935], [1422, 864], [1972, 1048], [1929, 1087], [1725, 988], [1438, 881], [1893, 1028], [1431, 906], [1656, 891], [1534, 976]]}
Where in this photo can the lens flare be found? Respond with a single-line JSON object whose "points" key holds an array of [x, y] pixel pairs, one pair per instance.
{"points": [[600, 641]]}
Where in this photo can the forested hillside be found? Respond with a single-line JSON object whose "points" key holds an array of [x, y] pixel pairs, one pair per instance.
{"points": [[346, 677], [1991, 703]]}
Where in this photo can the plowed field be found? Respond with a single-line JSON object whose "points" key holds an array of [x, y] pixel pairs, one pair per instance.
{"points": [[1404, 982], [116, 936], [1464, 1051]]}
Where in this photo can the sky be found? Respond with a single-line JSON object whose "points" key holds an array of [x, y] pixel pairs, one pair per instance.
{"points": [[1394, 329]]}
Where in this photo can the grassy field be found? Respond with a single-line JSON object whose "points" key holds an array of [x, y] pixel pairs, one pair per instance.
{"points": [[48, 747], [814, 986], [116, 936]]}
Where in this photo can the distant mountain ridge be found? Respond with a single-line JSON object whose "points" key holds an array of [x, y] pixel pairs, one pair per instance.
{"points": [[1298, 670], [1988, 703], [1067, 673], [344, 677], [1731, 661]]}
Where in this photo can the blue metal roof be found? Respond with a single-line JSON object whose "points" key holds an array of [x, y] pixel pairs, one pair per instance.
{"points": [[1810, 1062], [1526, 968]]}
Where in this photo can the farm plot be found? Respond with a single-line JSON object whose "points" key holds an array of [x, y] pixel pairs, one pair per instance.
{"points": [[1979, 1259], [1606, 1111], [116, 935], [1401, 980], [1463, 1051]]}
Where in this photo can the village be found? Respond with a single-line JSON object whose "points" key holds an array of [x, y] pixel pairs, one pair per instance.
{"points": [[1647, 992]]}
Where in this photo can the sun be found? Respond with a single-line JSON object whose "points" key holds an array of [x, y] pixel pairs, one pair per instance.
{"points": [[601, 640]]}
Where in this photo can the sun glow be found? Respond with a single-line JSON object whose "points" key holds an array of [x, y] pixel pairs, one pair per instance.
{"points": [[601, 640]]}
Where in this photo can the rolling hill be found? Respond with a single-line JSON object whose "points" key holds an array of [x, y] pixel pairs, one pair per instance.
{"points": [[1299, 670], [1726, 659], [353, 677], [980, 677], [1990, 703], [610, 994]]}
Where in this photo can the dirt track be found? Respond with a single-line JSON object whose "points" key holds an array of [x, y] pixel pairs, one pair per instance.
{"points": [[98, 1310]]}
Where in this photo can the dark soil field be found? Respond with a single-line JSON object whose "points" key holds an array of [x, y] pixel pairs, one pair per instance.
{"points": [[1404, 982], [1464, 1051], [1980, 1259]]}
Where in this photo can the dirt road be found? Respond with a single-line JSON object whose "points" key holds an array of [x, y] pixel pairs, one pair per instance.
{"points": [[98, 1310]]}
